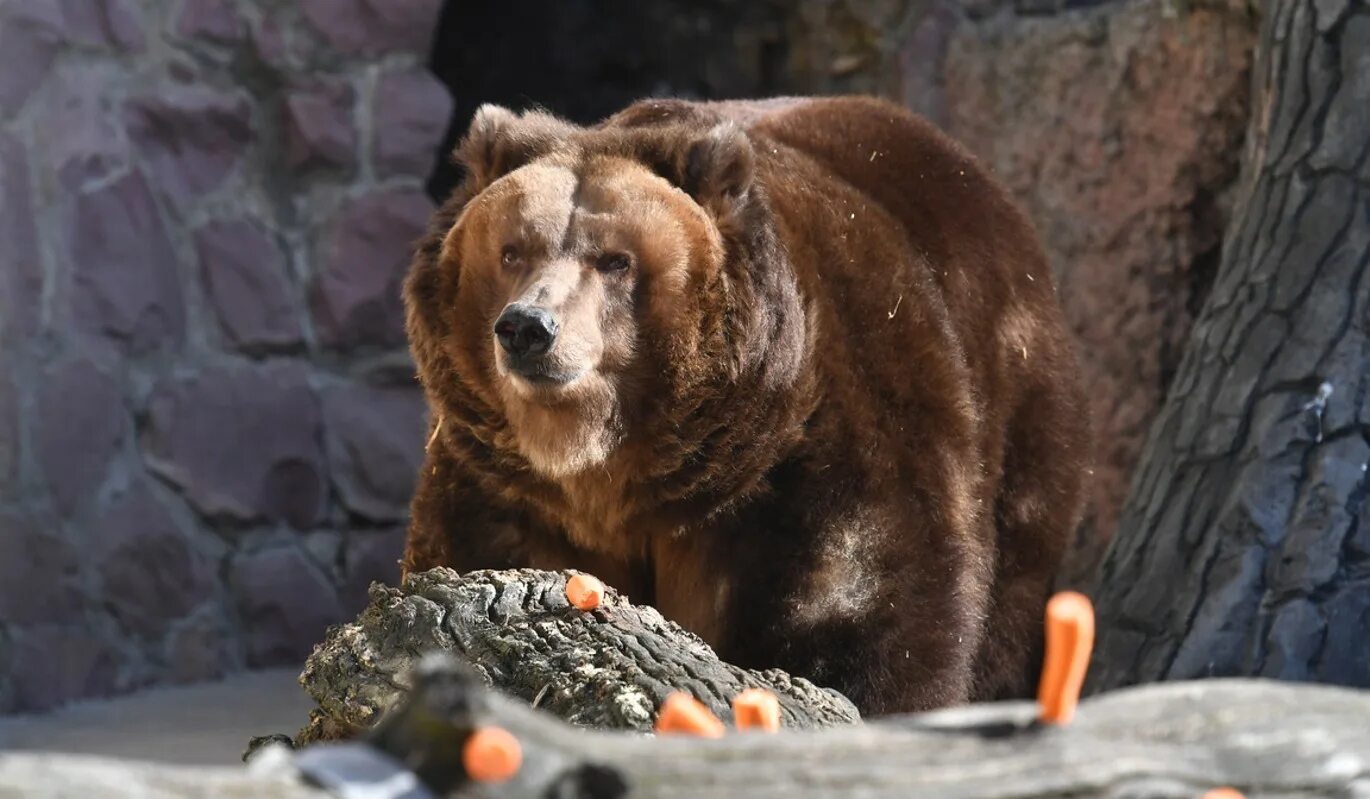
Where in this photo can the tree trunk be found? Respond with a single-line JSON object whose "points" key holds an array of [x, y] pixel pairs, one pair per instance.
{"points": [[1244, 548]]}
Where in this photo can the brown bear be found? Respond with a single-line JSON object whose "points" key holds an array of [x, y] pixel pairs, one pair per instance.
{"points": [[792, 371]]}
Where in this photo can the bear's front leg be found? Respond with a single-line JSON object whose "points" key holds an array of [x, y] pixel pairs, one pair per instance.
{"points": [[891, 613], [896, 633], [454, 524]]}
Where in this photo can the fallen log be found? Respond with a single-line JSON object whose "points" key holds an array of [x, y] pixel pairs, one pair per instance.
{"points": [[1171, 740], [606, 668]]}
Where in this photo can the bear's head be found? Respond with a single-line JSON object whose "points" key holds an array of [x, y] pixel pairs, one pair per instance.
{"points": [[592, 297]]}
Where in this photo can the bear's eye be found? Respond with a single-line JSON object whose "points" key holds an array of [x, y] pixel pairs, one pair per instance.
{"points": [[509, 255], [613, 262]]}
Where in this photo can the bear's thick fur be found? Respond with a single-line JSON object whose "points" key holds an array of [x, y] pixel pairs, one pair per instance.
{"points": [[809, 390]]}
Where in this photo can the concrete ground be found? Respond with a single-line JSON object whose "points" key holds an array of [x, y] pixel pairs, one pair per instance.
{"points": [[206, 724]]}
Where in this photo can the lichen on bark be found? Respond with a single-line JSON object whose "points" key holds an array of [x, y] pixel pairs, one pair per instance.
{"points": [[607, 668]]}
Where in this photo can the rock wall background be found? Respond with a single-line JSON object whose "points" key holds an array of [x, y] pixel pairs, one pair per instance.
{"points": [[208, 423]]}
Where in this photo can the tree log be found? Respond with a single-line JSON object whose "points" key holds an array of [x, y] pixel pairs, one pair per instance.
{"points": [[608, 668], [1177, 740], [1244, 548]]}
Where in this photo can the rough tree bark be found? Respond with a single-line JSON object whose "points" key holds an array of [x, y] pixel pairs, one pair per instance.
{"points": [[1175, 740], [1170, 741], [609, 668], [1244, 548]]}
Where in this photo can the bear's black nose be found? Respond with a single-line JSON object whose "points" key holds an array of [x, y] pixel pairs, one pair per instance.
{"points": [[524, 331]]}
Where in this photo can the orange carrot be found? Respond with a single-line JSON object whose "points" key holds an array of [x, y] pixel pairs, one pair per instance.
{"points": [[491, 754], [1069, 642], [682, 713], [756, 709], [584, 592]]}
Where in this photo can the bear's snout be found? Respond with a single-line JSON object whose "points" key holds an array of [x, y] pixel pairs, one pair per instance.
{"points": [[525, 331]]}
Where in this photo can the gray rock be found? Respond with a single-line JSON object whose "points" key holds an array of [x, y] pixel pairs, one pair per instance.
{"points": [[126, 282], [373, 26], [241, 443], [7, 698], [53, 664], [284, 602], [39, 573], [366, 250], [9, 438], [200, 649], [150, 574], [80, 130], [247, 282], [113, 24], [190, 137], [211, 20], [21, 273], [31, 34], [325, 547], [319, 126], [370, 556], [374, 438], [269, 42], [412, 112], [78, 429]]}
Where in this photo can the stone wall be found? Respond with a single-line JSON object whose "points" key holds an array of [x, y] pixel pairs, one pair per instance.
{"points": [[208, 422]]}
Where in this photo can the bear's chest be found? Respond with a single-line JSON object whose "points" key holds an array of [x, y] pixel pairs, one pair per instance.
{"points": [[597, 514]]}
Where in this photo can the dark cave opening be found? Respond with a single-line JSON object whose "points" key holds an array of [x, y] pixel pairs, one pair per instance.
{"points": [[585, 59]]}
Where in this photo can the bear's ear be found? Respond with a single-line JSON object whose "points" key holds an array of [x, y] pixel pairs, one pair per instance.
{"points": [[716, 168], [500, 141]]}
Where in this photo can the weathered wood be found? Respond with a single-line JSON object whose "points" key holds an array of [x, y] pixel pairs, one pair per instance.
{"points": [[1176, 740], [608, 668], [1171, 740], [1244, 548]]}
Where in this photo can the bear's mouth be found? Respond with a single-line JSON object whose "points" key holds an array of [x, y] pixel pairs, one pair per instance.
{"points": [[537, 372]]}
